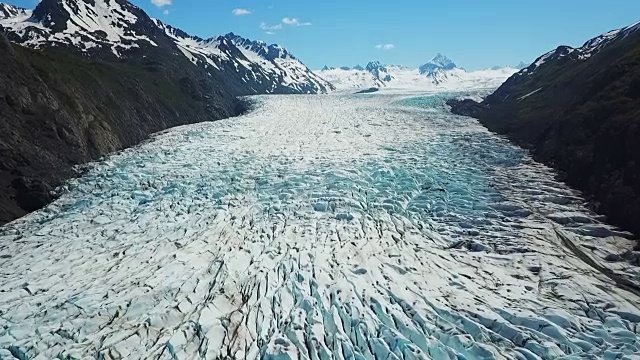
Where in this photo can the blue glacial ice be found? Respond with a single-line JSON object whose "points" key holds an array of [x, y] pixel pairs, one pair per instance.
{"points": [[319, 227]]}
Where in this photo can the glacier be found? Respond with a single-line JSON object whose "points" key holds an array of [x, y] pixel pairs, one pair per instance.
{"points": [[319, 227]]}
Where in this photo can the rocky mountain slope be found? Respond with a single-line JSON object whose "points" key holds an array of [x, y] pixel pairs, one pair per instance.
{"points": [[260, 67], [80, 79], [440, 73], [578, 109], [9, 11]]}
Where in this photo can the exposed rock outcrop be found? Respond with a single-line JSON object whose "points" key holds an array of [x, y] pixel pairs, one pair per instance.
{"points": [[578, 110]]}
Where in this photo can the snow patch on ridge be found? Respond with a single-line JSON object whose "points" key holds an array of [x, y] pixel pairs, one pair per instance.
{"points": [[100, 22], [263, 63]]}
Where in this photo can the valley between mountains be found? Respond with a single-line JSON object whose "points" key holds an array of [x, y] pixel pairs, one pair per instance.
{"points": [[302, 231], [166, 196]]}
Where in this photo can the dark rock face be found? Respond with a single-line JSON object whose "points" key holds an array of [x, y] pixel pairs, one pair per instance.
{"points": [[367, 91], [59, 109], [32, 194], [578, 110], [374, 67], [377, 70], [467, 107]]}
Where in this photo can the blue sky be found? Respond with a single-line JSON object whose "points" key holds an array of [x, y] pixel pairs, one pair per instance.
{"points": [[474, 33]]}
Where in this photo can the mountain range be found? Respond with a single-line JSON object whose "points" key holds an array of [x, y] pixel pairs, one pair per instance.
{"points": [[578, 111], [438, 73], [117, 29], [81, 79]]}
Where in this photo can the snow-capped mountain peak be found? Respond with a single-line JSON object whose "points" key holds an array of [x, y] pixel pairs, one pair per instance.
{"points": [[107, 28], [373, 65], [267, 68], [9, 11], [438, 62], [89, 26], [443, 61], [439, 73], [269, 52]]}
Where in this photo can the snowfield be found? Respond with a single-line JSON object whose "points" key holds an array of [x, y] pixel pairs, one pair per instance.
{"points": [[403, 79], [319, 227]]}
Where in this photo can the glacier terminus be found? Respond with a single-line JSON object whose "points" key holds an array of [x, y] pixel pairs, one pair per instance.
{"points": [[320, 227]]}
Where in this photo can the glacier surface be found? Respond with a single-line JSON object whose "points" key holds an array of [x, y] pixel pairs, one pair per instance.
{"points": [[319, 227]]}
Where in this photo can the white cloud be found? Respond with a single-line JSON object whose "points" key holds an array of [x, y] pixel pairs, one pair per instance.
{"points": [[271, 28], [385, 46], [161, 3], [240, 12], [294, 22], [166, 12]]}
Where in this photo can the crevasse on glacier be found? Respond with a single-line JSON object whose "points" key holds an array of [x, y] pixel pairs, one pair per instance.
{"points": [[317, 227]]}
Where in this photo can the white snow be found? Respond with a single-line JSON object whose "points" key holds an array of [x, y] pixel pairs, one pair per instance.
{"points": [[350, 79], [286, 71], [317, 227], [10, 11], [529, 94], [410, 79], [85, 19], [541, 60]]}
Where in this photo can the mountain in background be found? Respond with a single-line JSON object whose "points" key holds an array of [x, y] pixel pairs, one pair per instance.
{"points": [[117, 29], [438, 63], [262, 68], [578, 109], [81, 79], [7, 11], [438, 73], [521, 65]]}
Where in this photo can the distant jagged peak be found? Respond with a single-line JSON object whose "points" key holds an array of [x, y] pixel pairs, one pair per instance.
{"points": [[375, 65], [372, 64], [437, 63], [521, 65], [268, 51], [9, 11], [443, 61]]}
